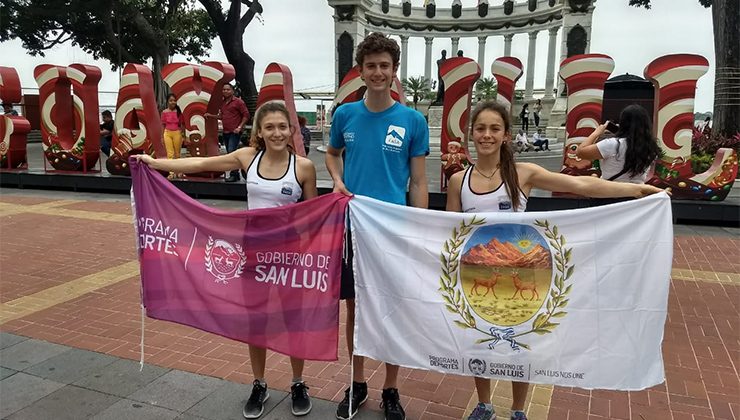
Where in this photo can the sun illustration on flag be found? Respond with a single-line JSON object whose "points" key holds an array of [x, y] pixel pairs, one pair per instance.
{"points": [[506, 280], [525, 241]]}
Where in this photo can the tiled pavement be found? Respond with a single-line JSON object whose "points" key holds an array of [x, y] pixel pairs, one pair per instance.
{"points": [[69, 282]]}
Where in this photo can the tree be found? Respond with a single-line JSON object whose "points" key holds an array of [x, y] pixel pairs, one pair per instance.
{"points": [[230, 27], [486, 88], [725, 18], [120, 31], [417, 88]]}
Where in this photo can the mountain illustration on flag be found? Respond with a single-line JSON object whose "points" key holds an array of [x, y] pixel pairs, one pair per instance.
{"points": [[506, 254]]}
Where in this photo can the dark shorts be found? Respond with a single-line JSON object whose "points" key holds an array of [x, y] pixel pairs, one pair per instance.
{"points": [[347, 285]]}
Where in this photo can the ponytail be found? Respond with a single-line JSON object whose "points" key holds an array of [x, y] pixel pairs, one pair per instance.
{"points": [[507, 168]]}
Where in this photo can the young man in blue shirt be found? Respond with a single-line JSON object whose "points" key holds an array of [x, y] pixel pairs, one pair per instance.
{"points": [[385, 144]]}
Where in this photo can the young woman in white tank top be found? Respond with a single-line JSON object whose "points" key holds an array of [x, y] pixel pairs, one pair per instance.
{"points": [[275, 177], [493, 200], [497, 183], [264, 192]]}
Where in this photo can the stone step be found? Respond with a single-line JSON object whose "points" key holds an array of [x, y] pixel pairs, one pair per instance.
{"points": [[33, 136]]}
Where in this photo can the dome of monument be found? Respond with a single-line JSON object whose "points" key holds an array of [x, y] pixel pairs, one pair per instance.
{"points": [[627, 78]]}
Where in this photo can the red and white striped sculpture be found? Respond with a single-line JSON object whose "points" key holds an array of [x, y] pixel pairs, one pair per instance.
{"points": [[350, 89], [13, 129], [674, 77], [459, 75], [198, 91], [584, 75], [70, 128], [277, 85], [506, 70], [397, 91], [137, 124]]}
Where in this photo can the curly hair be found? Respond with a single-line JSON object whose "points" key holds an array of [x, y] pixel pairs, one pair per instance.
{"points": [[376, 43], [267, 108]]}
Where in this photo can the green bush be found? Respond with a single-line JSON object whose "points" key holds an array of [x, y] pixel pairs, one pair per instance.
{"points": [[700, 162], [704, 146]]}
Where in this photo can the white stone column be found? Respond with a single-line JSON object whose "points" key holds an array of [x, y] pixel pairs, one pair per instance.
{"points": [[455, 46], [404, 57], [507, 44], [482, 51], [529, 85], [428, 58], [550, 74]]}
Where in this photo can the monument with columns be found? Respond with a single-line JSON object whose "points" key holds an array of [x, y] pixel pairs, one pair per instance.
{"points": [[354, 19]]}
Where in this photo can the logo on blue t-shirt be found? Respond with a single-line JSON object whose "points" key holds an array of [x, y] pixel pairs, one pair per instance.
{"points": [[395, 136]]}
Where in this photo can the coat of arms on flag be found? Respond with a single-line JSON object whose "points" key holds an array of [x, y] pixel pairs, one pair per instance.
{"points": [[224, 260], [515, 259]]}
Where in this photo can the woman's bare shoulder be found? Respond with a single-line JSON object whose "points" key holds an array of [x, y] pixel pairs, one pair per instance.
{"points": [[304, 163]]}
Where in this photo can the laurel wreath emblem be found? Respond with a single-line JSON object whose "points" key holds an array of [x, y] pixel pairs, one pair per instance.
{"points": [[544, 322], [220, 278]]}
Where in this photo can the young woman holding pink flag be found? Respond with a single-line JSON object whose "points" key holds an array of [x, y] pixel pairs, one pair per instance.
{"points": [[276, 176], [497, 183]]}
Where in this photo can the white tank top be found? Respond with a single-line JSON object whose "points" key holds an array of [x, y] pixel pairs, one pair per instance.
{"points": [[496, 200], [265, 193]]}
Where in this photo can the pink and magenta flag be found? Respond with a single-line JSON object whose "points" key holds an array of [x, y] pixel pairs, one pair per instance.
{"points": [[267, 277]]}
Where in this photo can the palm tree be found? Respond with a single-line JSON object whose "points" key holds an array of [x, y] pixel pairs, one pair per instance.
{"points": [[486, 88], [418, 87]]}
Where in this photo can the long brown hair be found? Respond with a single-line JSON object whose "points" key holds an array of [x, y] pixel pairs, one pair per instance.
{"points": [[507, 166], [267, 108], [642, 148]]}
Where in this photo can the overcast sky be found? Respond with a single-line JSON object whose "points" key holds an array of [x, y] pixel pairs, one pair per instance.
{"points": [[299, 33]]}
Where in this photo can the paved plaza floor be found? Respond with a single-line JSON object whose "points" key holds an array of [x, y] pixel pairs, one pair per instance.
{"points": [[70, 331]]}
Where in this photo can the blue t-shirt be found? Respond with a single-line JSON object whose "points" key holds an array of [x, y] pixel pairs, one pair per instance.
{"points": [[379, 147]]}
